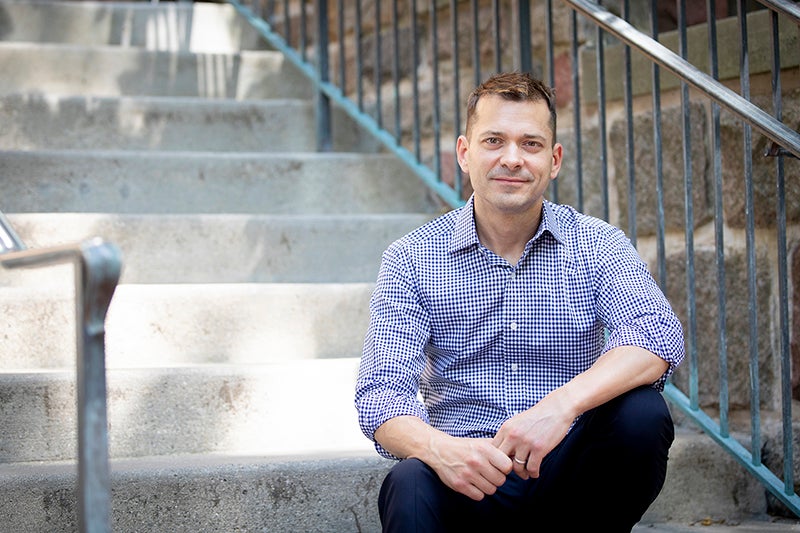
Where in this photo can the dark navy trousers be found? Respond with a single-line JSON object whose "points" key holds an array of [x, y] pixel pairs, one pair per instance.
{"points": [[602, 477]]}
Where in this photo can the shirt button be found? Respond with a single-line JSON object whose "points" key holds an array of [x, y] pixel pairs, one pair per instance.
{"points": [[514, 367], [513, 326]]}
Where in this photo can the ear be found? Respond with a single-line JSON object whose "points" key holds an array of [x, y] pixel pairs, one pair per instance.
{"points": [[558, 154], [461, 152]]}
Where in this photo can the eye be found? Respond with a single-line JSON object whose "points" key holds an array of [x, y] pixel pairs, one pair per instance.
{"points": [[536, 145]]}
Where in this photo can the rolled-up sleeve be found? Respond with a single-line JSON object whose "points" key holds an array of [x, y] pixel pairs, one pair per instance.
{"points": [[393, 358], [633, 308]]}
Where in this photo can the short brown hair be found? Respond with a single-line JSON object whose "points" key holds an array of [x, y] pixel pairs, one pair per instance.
{"points": [[517, 87]]}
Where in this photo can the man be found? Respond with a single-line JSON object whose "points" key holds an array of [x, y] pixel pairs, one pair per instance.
{"points": [[536, 338]]}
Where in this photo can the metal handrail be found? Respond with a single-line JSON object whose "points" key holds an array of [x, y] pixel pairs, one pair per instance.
{"points": [[97, 266], [660, 54]]}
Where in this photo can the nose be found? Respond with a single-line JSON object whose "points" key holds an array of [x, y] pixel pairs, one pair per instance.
{"points": [[511, 157]]}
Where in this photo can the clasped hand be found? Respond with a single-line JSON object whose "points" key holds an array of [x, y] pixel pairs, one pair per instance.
{"points": [[477, 467]]}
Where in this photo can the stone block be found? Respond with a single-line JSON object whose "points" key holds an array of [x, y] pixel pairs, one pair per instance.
{"points": [[764, 172], [673, 177], [703, 483], [737, 326], [590, 183]]}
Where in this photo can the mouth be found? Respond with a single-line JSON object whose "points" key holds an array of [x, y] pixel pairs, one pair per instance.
{"points": [[509, 178]]}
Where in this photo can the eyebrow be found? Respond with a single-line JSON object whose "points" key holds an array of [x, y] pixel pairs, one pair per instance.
{"points": [[493, 133]]}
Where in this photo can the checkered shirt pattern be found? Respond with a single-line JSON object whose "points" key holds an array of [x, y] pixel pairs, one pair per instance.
{"points": [[464, 340]]}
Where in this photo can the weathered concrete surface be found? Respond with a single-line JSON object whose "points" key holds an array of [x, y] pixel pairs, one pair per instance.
{"points": [[300, 407], [197, 27], [194, 494], [223, 248], [117, 71], [177, 324], [127, 181]]}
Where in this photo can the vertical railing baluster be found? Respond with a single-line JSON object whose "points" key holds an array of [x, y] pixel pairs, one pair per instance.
{"points": [[661, 253], [576, 113], [601, 115], [551, 77], [323, 104], [378, 66], [524, 21], [415, 81], [457, 175], [719, 229], [691, 307], [359, 57], [398, 126], [783, 274], [628, 102], [342, 47], [437, 116], [476, 44], [303, 32], [755, 389], [287, 22], [498, 59]]}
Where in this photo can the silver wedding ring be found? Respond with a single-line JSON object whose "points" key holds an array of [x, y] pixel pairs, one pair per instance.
{"points": [[520, 462]]}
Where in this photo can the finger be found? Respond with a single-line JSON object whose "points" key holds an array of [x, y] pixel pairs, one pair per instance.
{"points": [[520, 465], [533, 466], [502, 462], [477, 488]]}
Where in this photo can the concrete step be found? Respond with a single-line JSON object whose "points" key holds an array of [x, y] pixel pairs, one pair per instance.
{"points": [[221, 248], [52, 122], [299, 407], [37, 121], [148, 182], [198, 27], [319, 492], [49, 68], [168, 325], [206, 494]]}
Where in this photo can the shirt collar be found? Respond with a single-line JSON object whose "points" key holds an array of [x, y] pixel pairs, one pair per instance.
{"points": [[549, 223], [465, 234]]}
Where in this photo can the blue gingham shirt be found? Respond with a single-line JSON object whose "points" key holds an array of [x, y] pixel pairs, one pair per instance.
{"points": [[479, 340]]}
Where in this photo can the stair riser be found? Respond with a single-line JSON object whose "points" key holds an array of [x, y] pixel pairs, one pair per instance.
{"points": [[35, 122], [282, 409], [322, 495], [123, 72], [221, 248], [163, 325], [123, 182], [335, 496], [187, 26]]}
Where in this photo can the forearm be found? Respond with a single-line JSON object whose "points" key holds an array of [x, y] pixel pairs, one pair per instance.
{"points": [[617, 371], [410, 437]]}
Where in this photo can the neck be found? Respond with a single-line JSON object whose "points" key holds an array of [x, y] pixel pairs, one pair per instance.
{"points": [[506, 234]]}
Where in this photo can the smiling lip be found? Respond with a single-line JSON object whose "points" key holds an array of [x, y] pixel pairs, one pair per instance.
{"points": [[508, 179]]}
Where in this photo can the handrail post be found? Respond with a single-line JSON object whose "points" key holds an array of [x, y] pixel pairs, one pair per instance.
{"points": [[97, 271], [323, 111]]}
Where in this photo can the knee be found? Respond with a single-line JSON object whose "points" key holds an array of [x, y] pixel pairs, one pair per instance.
{"points": [[406, 481], [641, 419], [410, 498]]}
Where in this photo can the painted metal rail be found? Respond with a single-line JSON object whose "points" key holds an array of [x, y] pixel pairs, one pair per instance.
{"points": [[97, 266]]}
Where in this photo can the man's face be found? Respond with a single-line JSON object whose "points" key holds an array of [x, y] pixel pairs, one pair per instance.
{"points": [[509, 155]]}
